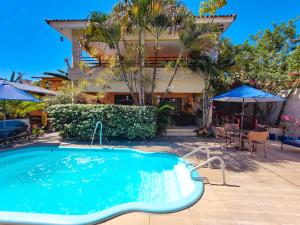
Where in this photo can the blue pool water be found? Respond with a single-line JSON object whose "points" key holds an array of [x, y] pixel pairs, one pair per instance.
{"points": [[69, 184]]}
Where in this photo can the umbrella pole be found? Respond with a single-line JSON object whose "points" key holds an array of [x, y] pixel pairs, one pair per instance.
{"points": [[242, 123]]}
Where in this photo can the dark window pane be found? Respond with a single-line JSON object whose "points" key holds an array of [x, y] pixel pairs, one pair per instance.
{"points": [[123, 100]]}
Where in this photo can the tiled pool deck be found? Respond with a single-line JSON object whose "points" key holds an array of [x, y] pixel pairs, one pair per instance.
{"points": [[259, 191]]}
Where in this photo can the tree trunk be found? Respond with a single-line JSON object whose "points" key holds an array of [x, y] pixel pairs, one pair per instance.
{"points": [[124, 76], [154, 70], [206, 109], [141, 67], [174, 73]]}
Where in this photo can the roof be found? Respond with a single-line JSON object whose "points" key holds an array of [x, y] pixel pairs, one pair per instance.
{"points": [[31, 88], [86, 20], [41, 77], [66, 26], [66, 20], [9, 92], [219, 16]]}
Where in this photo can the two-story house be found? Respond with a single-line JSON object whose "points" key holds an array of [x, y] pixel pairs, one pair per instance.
{"points": [[186, 87]]}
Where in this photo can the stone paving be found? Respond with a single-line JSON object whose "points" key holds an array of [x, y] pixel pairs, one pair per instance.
{"points": [[258, 191]]}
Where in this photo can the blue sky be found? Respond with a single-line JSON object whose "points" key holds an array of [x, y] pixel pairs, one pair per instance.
{"points": [[29, 45]]}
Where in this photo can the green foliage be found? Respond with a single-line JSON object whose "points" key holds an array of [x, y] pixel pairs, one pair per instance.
{"points": [[129, 122], [293, 61], [212, 71], [268, 61], [164, 116], [38, 131], [135, 17], [19, 109], [73, 92], [263, 61], [211, 6]]}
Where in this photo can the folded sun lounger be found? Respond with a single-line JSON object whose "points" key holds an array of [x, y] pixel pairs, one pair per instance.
{"points": [[295, 143]]}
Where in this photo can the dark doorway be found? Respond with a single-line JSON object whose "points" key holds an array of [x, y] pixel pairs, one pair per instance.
{"points": [[123, 100]]}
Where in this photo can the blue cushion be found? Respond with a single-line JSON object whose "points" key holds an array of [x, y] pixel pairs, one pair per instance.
{"points": [[12, 128], [14, 123], [295, 143]]}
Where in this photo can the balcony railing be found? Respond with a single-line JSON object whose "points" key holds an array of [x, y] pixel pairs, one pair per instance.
{"points": [[149, 62], [91, 62]]}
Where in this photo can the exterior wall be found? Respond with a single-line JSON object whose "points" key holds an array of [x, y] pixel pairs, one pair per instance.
{"points": [[186, 81], [110, 96], [292, 110], [55, 83]]}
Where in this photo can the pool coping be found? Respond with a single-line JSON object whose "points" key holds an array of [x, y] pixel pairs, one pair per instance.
{"points": [[104, 215]]}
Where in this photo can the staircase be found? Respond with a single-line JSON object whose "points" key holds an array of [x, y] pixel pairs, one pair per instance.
{"points": [[184, 131]]}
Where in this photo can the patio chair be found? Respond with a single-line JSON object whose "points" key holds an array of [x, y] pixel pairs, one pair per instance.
{"points": [[231, 126], [254, 138], [232, 131], [221, 134]]}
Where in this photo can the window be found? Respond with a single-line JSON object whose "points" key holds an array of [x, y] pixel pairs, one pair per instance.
{"points": [[123, 100]]}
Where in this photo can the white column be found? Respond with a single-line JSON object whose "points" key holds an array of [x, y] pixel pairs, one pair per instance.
{"points": [[76, 51]]}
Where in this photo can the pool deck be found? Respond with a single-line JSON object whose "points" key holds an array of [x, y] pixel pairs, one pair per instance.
{"points": [[258, 191]]}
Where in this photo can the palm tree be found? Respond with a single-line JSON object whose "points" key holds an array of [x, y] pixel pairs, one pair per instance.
{"points": [[189, 35], [139, 13], [157, 26], [19, 78], [136, 17], [104, 29], [12, 77], [212, 77], [211, 6]]}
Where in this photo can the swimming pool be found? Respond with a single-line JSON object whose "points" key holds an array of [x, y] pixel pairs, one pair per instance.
{"points": [[61, 185]]}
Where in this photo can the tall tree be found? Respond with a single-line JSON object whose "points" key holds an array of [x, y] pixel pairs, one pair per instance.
{"points": [[190, 34], [139, 16], [263, 61], [103, 29], [157, 26], [135, 17]]}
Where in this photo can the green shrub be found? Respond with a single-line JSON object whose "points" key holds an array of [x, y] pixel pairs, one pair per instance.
{"points": [[129, 122]]}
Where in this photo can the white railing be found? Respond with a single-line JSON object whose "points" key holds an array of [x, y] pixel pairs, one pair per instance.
{"points": [[100, 133], [214, 158], [199, 149]]}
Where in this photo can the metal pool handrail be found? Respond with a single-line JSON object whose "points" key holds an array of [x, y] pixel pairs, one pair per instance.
{"points": [[209, 161], [100, 134], [198, 150]]}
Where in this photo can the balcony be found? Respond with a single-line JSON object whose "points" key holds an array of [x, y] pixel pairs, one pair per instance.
{"points": [[149, 62]]}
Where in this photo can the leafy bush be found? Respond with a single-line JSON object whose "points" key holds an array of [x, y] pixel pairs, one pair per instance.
{"points": [[164, 117], [129, 122]]}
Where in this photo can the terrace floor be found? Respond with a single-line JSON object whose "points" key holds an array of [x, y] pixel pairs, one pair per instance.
{"points": [[258, 191]]}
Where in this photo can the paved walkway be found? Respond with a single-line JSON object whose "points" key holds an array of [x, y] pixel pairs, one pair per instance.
{"points": [[259, 191]]}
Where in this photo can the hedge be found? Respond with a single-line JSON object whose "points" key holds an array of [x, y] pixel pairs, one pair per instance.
{"points": [[125, 122]]}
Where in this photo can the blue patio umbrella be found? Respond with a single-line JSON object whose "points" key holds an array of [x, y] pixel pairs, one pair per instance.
{"points": [[245, 94], [8, 92]]}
